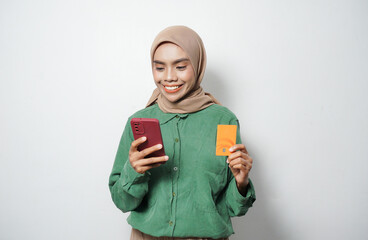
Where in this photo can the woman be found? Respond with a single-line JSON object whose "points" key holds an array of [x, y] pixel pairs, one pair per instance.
{"points": [[191, 193]]}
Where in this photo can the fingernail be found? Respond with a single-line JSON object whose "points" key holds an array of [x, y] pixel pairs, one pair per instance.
{"points": [[227, 160], [166, 157], [159, 146], [144, 138], [231, 149]]}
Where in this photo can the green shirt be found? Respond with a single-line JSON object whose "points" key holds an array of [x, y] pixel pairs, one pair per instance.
{"points": [[194, 193]]}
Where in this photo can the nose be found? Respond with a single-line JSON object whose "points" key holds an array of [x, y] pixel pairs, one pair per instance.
{"points": [[170, 75]]}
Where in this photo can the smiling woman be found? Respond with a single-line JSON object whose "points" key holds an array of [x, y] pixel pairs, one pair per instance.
{"points": [[173, 73], [190, 193]]}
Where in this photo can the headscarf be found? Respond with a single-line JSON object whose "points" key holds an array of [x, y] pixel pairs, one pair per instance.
{"points": [[196, 99]]}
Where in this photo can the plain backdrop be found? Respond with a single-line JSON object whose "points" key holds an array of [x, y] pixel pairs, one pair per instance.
{"points": [[294, 72]]}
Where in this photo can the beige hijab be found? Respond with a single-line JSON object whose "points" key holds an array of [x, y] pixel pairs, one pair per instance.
{"points": [[196, 99]]}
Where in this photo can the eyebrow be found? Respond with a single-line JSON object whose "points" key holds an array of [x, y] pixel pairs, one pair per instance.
{"points": [[175, 62]]}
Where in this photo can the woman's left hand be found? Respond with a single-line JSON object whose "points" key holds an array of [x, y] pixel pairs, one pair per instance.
{"points": [[240, 164]]}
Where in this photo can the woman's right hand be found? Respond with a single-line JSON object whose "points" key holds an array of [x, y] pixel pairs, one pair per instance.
{"points": [[137, 160]]}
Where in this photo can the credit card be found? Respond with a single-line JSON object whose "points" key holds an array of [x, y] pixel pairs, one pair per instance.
{"points": [[226, 138]]}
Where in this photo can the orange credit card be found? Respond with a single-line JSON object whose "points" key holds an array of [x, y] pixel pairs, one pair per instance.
{"points": [[226, 138]]}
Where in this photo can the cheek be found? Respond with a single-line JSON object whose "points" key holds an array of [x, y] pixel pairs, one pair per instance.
{"points": [[156, 76], [188, 77]]}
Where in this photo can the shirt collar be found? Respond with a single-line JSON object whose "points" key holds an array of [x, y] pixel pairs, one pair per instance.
{"points": [[166, 117]]}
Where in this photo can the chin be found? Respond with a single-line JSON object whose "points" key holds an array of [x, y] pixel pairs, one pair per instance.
{"points": [[172, 99]]}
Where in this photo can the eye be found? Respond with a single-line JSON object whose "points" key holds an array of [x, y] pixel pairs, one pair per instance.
{"points": [[160, 69], [181, 67]]}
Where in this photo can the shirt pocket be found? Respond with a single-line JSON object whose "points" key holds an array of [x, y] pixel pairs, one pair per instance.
{"points": [[214, 167], [210, 184], [204, 203]]}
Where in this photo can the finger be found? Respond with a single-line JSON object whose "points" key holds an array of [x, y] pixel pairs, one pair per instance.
{"points": [[238, 154], [237, 161], [246, 162], [237, 147], [143, 169], [136, 143], [150, 161], [150, 150], [241, 167], [235, 155]]}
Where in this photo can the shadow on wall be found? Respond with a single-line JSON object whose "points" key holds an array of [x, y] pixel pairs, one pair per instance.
{"points": [[260, 223], [213, 84]]}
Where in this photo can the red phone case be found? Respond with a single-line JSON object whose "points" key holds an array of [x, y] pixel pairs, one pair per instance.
{"points": [[150, 128]]}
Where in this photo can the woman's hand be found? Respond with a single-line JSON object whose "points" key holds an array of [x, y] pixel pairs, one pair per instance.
{"points": [[137, 160], [240, 164]]}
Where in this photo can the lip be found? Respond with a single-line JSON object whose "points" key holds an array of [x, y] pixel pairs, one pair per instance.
{"points": [[172, 90]]}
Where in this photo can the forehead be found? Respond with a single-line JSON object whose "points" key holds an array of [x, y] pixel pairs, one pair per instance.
{"points": [[169, 52]]}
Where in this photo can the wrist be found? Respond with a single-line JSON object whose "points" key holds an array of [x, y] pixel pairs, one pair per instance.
{"points": [[242, 187]]}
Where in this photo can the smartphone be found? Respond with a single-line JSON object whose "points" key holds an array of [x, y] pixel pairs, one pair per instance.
{"points": [[149, 128]]}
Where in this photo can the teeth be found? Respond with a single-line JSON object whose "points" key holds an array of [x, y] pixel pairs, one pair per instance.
{"points": [[171, 88]]}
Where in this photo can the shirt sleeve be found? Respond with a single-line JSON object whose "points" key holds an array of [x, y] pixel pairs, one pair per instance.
{"points": [[127, 187], [238, 204]]}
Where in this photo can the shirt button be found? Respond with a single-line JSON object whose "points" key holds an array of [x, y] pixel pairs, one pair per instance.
{"points": [[176, 139], [174, 194], [175, 169], [170, 223]]}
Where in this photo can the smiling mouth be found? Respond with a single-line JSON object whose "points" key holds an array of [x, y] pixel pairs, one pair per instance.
{"points": [[172, 89]]}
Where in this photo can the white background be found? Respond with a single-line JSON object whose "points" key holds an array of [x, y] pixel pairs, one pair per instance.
{"points": [[294, 72]]}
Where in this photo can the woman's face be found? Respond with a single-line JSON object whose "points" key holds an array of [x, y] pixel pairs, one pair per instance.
{"points": [[172, 71]]}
